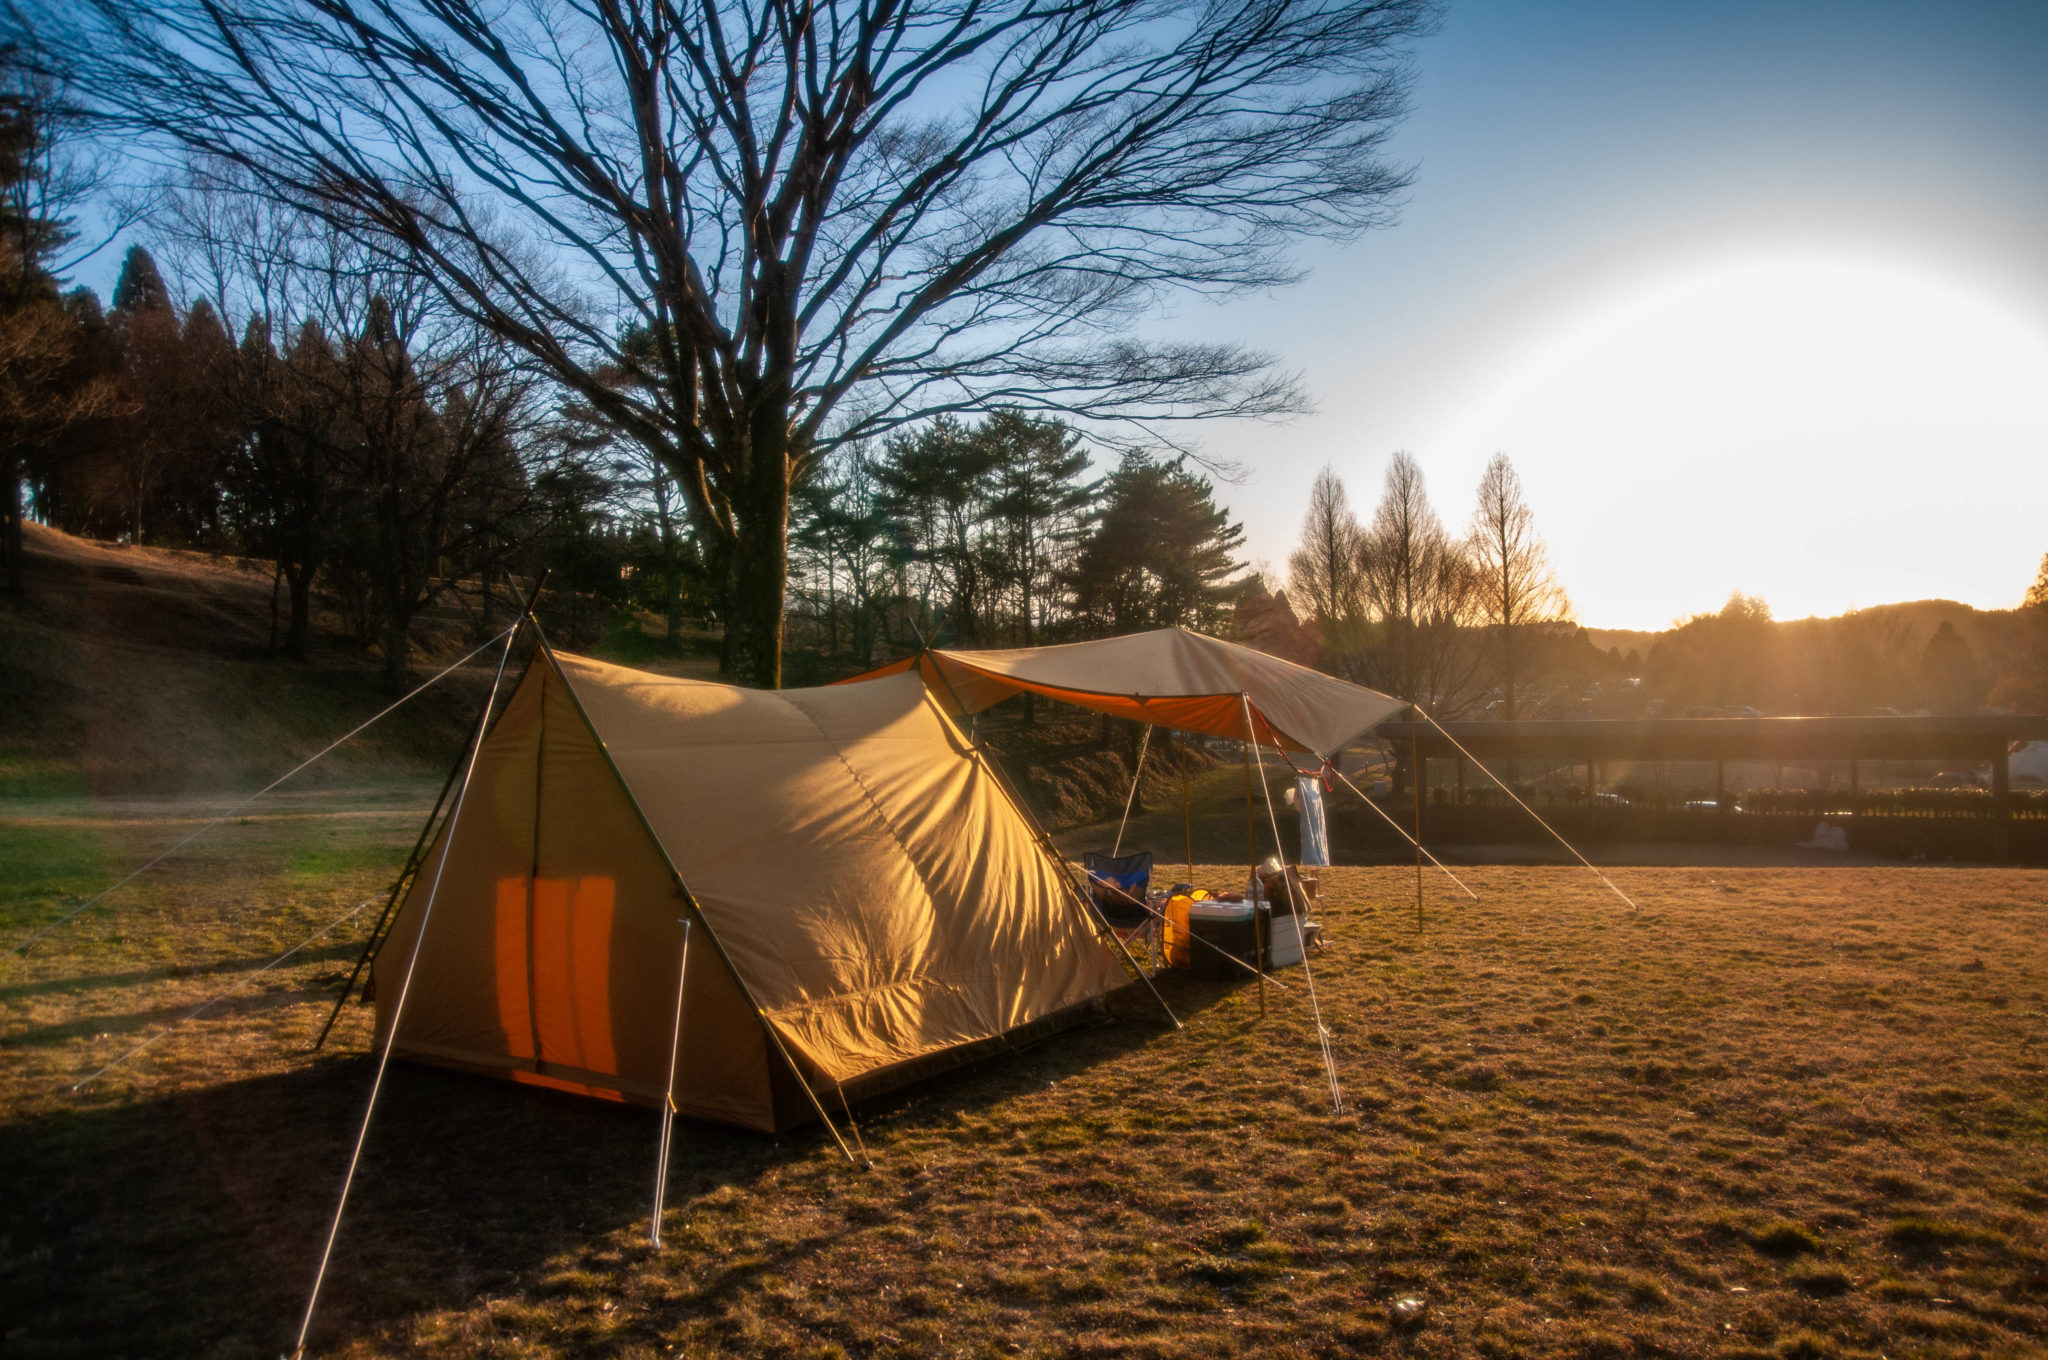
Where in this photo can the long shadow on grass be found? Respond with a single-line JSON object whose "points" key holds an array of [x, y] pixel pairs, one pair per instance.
{"points": [[192, 1224]]}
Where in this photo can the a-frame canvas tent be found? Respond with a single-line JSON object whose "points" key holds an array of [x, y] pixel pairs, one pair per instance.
{"points": [[876, 907]]}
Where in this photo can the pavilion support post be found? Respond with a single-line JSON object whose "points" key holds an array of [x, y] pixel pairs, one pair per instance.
{"points": [[1720, 786], [2001, 804], [1855, 788]]}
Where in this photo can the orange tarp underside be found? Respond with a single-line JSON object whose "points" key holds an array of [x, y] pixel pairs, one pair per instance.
{"points": [[1169, 677]]}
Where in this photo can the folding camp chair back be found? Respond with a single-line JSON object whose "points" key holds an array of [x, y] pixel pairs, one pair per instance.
{"points": [[1118, 884]]}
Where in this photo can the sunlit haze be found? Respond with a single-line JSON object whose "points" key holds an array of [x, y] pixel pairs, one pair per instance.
{"points": [[1824, 434], [1756, 298]]}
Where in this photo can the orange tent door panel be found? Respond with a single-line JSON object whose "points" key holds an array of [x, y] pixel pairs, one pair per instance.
{"points": [[553, 953]]}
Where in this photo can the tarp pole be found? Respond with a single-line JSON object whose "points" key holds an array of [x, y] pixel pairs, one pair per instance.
{"points": [[1187, 811], [1307, 975], [1533, 813], [1136, 774], [1251, 849], [668, 1097]]}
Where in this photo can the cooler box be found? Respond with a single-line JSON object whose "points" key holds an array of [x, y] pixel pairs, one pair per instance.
{"points": [[1228, 926], [1283, 943]]}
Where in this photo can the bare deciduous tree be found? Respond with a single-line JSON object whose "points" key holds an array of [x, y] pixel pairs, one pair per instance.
{"points": [[1513, 583], [1323, 571], [1418, 588], [833, 219]]}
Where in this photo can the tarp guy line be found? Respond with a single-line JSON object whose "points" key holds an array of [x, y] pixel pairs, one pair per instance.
{"points": [[1526, 808], [1315, 1007], [404, 989], [1381, 813], [22, 948]]}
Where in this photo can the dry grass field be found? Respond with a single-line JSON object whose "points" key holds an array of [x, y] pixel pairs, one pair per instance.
{"points": [[1796, 1113]]}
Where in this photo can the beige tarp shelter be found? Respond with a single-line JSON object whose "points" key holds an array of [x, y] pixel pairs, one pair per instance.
{"points": [[1169, 677], [876, 906]]}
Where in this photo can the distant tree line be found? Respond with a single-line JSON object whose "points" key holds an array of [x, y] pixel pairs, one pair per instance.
{"points": [[1454, 621], [1476, 623], [997, 533], [278, 390]]}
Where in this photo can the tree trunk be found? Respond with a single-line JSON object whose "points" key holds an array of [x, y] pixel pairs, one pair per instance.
{"points": [[397, 650], [17, 575], [1507, 670], [754, 574], [672, 587], [299, 590]]}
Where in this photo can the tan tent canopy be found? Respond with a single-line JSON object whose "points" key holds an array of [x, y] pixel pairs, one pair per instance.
{"points": [[1170, 677], [875, 905]]}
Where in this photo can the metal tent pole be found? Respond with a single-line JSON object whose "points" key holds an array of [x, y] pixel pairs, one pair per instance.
{"points": [[1307, 974], [668, 1097]]}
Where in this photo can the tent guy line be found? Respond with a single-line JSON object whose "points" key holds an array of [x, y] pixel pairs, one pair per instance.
{"points": [[393, 707], [223, 995], [405, 988]]}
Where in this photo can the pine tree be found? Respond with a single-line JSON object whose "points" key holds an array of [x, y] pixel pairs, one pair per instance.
{"points": [[1161, 553], [141, 286]]}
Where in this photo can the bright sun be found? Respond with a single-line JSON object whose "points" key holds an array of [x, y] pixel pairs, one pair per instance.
{"points": [[1825, 434]]}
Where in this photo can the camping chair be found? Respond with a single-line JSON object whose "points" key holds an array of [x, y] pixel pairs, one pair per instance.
{"points": [[1118, 885]]}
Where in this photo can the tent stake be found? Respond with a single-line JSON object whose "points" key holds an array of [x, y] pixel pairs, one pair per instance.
{"points": [[668, 1098]]}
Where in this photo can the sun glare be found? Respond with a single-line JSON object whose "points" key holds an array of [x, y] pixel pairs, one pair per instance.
{"points": [[1822, 433]]}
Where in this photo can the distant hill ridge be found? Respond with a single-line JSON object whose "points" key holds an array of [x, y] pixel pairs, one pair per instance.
{"points": [[144, 670]]}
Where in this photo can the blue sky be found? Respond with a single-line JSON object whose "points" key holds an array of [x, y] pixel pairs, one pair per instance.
{"points": [[1755, 295]]}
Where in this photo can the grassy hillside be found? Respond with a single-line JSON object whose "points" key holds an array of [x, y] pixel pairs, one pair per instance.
{"points": [[137, 670]]}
